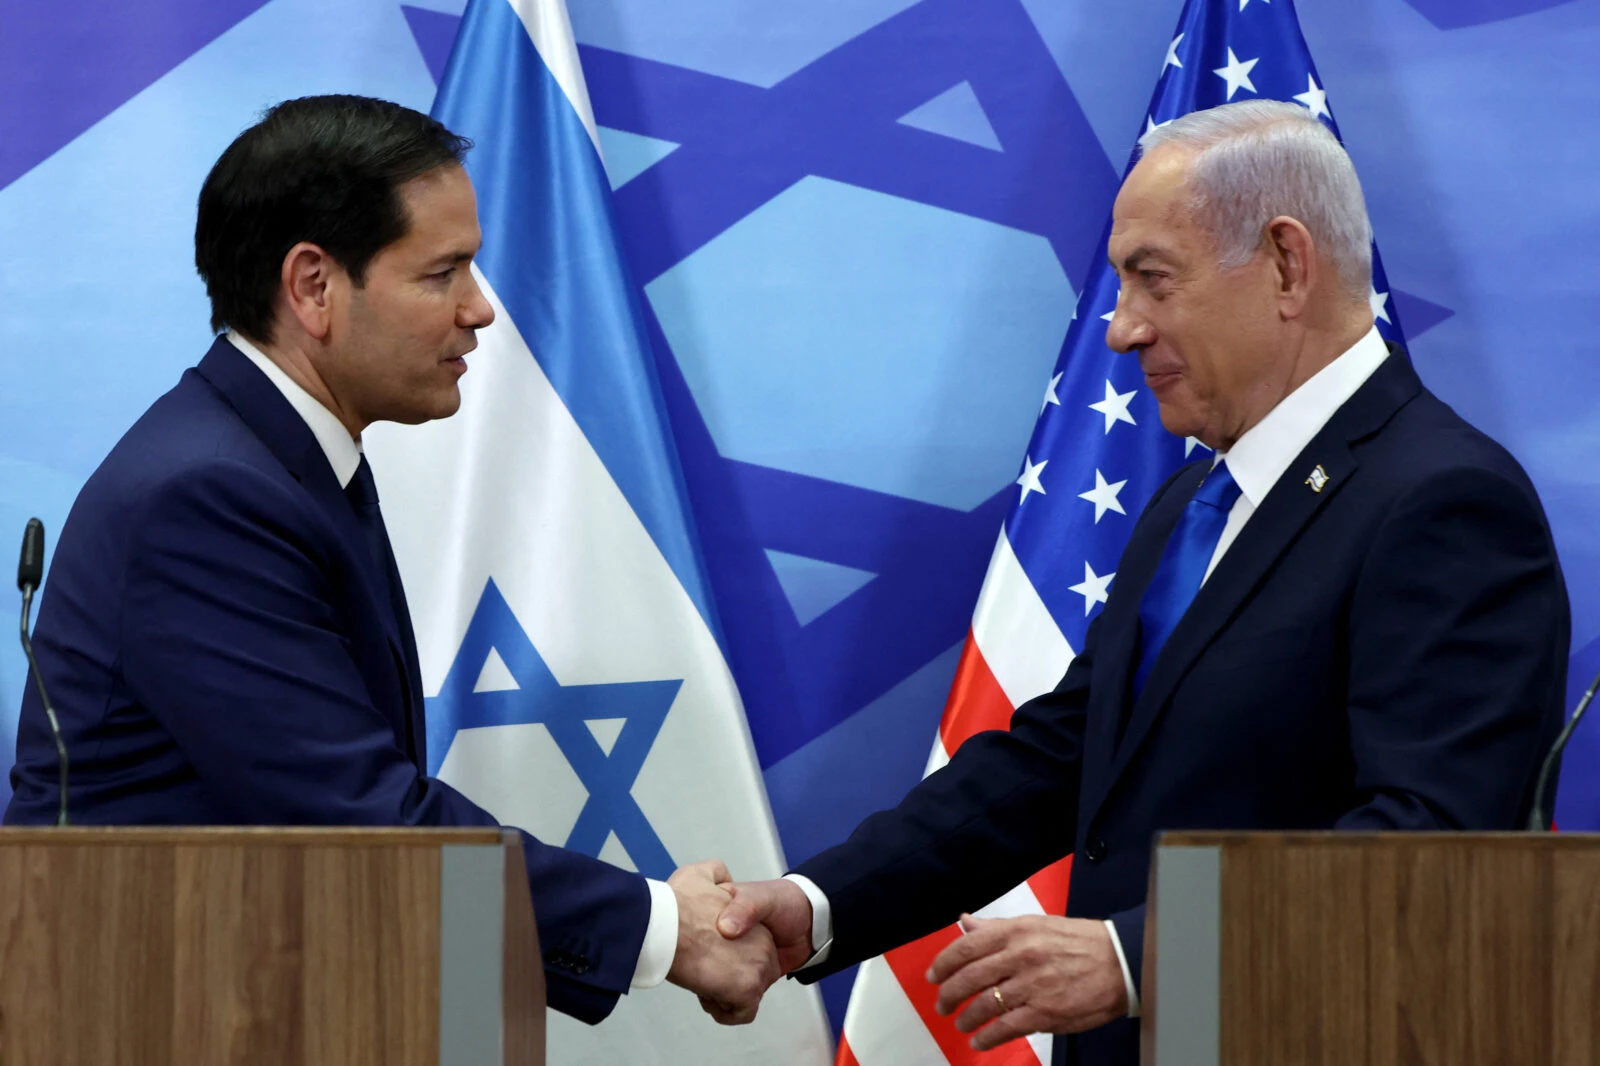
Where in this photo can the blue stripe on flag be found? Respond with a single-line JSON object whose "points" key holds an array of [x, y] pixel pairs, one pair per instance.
{"points": [[552, 254]]}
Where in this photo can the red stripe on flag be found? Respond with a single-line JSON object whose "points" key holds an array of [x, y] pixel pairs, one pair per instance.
{"points": [[977, 702], [1050, 886], [910, 966]]}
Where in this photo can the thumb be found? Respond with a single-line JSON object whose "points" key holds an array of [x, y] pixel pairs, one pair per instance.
{"points": [[748, 908]]}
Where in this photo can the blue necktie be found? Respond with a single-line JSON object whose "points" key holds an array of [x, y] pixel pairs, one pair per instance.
{"points": [[1183, 566], [363, 495]]}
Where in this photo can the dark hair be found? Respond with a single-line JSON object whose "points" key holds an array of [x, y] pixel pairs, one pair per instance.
{"points": [[324, 169]]}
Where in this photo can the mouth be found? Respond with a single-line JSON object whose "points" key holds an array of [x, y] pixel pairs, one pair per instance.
{"points": [[1160, 379], [458, 364]]}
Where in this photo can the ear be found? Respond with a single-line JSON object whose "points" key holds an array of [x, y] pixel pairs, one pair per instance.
{"points": [[1294, 256], [308, 282]]}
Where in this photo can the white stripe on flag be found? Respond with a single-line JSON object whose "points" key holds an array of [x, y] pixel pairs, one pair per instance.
{"points": [[551, 31], [1025, 650], [882, 1027]]}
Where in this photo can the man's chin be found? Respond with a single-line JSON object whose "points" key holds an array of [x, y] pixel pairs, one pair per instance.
{"points": [[442, 405], [447, 406], [1180, 423]]}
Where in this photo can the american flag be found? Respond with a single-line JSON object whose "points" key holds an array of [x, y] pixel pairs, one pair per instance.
{"points": [[1097, 453]]}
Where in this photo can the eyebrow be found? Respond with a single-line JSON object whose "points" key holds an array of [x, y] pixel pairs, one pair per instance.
{"points": [[451, 258], [1131, 262]]}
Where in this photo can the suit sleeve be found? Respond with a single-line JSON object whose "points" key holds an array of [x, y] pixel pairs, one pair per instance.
{"points": [[1459, 632], [1001, 810], [229, 637]]}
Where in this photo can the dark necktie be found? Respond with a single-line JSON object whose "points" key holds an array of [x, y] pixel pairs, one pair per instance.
{"points": [[1183, 566], [363, 495]]}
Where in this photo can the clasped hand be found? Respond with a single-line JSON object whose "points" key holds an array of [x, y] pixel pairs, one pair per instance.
{"points": [[734, 941]]}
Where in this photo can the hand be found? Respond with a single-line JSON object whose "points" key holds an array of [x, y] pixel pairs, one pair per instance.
{"points": [[780, 906], [728, 975], [1056, 975]]}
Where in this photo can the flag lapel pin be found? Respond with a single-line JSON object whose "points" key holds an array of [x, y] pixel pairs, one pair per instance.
{"points": [[1318, 478]]}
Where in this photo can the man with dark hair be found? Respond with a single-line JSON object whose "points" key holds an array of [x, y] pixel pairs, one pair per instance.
{"points": [[225, 632]]}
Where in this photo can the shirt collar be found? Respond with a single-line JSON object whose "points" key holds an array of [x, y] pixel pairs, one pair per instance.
{"points": [[1258, 459], [342, 450]]}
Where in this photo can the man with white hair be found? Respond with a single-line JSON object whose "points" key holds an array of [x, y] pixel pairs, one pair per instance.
{"points": [[1350, 616]]}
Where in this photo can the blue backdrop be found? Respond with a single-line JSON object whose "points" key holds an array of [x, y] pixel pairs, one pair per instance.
{"points": [[858, 226]]}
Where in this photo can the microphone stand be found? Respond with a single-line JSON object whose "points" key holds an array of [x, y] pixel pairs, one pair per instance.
{"points": [[1538, 819]]}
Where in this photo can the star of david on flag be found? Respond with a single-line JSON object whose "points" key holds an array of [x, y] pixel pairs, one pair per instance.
{"points": [[1097, 454], [576, 684], [606, 765]]}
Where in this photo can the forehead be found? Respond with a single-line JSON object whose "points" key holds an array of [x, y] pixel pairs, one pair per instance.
{"points": [[1151, 206], [441, 208]]}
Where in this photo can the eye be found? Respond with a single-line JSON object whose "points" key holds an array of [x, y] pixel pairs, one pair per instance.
{"points": [[442, 275]]}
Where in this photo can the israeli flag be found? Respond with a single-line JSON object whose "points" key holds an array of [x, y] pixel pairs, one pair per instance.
{"points": [[577, 687]]}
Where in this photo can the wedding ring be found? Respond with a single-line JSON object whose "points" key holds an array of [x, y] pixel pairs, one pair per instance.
{"points": [[998, 998]]}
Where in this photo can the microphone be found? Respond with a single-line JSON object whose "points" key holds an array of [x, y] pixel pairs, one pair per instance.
{"points": [[30, 573], [1538, 820]]}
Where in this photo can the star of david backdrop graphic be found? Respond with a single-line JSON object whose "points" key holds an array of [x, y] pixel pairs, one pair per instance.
{"points": [[858, 231]]}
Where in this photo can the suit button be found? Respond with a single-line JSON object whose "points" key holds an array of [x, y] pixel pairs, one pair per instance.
{"points": [[1096, 851]]}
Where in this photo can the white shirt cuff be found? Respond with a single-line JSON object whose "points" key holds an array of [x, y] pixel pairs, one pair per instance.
{"points": [[821, 920], [660, 937], [1127, 974]]}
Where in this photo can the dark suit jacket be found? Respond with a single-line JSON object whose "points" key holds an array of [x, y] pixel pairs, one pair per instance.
{"points": [[222, 650], [1387, 653]]}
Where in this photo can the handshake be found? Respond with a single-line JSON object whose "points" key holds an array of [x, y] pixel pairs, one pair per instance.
{"points": [[735, 940], [1007, 977]]}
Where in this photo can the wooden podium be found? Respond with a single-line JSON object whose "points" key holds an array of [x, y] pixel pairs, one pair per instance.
{"points": [[159, 947], [1387, 949]]}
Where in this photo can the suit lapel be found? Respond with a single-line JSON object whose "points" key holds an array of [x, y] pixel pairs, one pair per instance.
{"points": [[279, 426], [1306, 487]]}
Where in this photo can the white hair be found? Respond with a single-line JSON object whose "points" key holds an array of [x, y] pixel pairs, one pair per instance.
{"points": [[1258, 159]]}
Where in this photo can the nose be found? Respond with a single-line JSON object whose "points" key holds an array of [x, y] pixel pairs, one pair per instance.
{"points": [[1128, 331], [475, 311]]}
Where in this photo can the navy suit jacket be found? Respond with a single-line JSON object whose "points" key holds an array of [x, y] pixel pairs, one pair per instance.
{"points": [[222, 650], [1386, 653]]}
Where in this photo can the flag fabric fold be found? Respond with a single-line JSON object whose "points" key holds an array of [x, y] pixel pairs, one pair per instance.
{"points": [[1097, 454], [576, 684]]}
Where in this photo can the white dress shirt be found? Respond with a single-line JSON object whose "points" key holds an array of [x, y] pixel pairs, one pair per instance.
{"points": [[1257, 461], [344, 456]]}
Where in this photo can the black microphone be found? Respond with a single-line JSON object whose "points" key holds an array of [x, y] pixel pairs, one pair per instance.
{"points": [[1538, 820], [30, 573]]}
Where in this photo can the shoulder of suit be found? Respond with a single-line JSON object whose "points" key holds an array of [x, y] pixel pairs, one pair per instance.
{"points": [[1428, 439], [189, 433]]}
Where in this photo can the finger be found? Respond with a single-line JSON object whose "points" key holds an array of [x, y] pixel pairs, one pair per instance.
{"points": [[738, 1016], [714, 870], [751, 905], [725, 1014], [966, 950], [984, 1007], [973, 979], [1009, 1026]]}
